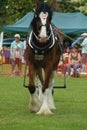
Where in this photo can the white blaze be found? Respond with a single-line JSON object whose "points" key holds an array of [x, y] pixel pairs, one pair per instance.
{"points": [[43, 16]]}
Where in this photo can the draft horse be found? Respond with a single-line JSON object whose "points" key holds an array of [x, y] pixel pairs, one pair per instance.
{"points": [[44, 53]]}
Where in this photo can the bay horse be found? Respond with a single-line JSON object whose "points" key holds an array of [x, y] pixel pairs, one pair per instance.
{"points": [[43, 57]]}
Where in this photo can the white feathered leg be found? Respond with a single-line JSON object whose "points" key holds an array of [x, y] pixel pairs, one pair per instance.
{"points": [[34, 103], [40, 90], [45, 110], [50, 99]]}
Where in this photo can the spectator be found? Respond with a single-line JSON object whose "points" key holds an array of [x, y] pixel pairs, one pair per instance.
{"points": [[74, 61], [16, 52], [63, 62], [84, 52]]}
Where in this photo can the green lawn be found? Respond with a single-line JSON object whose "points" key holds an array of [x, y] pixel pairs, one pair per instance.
{"points": [[70, 113]]}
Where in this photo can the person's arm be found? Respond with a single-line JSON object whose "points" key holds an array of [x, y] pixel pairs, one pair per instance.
{"points": [[84, 42], [12, 50], [79, 58], [21, 49], [69, 59], [77, 41]]}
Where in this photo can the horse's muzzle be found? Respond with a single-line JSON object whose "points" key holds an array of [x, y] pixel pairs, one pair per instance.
{"points": [[42, 39]]}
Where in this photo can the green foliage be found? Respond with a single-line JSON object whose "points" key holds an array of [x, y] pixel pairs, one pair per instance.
{"points": [[12, 10], [80, 5], [74, 6], [67, 6], [2, 12], [17, 9]]}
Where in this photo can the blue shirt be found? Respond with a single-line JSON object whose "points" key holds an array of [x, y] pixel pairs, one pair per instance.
{"points": [[77, 41], [84, 46], [15, 45]]}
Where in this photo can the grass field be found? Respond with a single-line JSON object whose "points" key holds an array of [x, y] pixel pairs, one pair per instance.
{"points": [[70, 113]]}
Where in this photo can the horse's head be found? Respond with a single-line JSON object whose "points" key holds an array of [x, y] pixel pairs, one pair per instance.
{"points": [[41, 21]]}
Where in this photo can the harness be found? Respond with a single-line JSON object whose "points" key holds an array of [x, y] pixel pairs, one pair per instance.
{"points": [[40, 51]]}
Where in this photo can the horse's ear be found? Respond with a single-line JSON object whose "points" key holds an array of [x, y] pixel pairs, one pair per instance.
{"points": [[51, 3], [37, 2]]}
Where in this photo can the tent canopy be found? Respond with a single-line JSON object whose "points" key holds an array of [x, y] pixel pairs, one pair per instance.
{"points": [[69, 23]]}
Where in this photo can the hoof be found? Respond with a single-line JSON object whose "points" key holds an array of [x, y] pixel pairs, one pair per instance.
{"points": [[53, 108], [33, 110], [44, 112]]}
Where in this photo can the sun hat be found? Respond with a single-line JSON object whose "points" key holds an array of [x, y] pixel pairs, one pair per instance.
{"points": [[17, 35], [84, 34]]}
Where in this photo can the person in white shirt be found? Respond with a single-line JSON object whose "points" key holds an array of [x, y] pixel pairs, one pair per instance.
{"points": [[16, 52], [84, 52]]}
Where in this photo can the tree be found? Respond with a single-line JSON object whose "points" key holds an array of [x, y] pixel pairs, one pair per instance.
{"points": [[17, 9], [12, 10], [2, 12], [74, 6], [80, 5]]}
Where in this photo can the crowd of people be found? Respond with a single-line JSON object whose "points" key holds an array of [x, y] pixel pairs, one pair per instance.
{"points": [[73, 61], [75, 58]]}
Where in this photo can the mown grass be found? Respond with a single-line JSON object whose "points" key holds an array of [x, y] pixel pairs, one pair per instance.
{"points": [[70, 113]]}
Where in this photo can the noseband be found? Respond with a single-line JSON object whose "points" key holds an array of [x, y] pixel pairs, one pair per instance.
{"points": [[47, 39]]}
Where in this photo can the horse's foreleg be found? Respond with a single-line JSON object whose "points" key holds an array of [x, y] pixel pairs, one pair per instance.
{"points": [[40, 83], [50, 99], [48, 73], [34, 103], [45, 109], [31, 78]]}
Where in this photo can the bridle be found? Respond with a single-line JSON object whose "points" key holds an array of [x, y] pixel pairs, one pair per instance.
{"points": [[42, 18], [51, 32], [36, 42], [33, 46]]}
